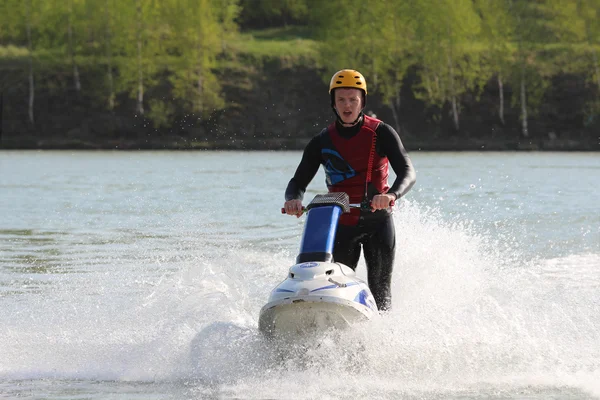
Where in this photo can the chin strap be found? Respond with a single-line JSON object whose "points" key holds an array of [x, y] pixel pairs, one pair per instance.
{"points": [[339, 119]]}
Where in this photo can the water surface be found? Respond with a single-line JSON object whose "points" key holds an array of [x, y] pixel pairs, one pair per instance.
{"points": [[141, 274]]}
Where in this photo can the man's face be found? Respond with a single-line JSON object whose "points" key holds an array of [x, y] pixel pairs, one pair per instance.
{"points": [[348, 103]]}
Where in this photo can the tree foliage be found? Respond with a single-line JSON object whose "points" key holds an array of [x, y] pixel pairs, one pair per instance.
{"points": [[450, 66], [375, 38], [452, 47]]}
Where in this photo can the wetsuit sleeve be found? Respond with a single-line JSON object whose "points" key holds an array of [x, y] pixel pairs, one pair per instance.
{"points": [[390, 145], [306, 171]]}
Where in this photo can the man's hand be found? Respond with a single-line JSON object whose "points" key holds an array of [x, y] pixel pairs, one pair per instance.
{"points": [[382, 201], [293, 207]]}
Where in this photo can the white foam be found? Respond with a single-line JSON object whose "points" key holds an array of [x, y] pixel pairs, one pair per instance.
{"points": [[466, 316]]}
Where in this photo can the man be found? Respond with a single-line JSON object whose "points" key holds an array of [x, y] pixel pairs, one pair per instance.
{"points": [[356, 151]]}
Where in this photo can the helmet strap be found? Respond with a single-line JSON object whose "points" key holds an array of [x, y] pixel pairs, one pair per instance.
{"points": [[339, 119]]}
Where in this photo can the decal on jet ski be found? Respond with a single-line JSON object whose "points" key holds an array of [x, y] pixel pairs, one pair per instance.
{"points": [[284, 290], [363, 298], [325, 287], [308, 265], [335, 285]]}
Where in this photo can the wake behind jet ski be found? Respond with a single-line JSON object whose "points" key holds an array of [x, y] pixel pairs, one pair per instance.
{"points": [[318, 293]]}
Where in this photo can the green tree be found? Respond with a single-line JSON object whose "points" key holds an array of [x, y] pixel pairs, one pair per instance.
{"points": [[589, 12], [13, 31], [373, 38], [397, 30], [195, 39], [575, 24], [497, 35], [18, 20], [137, 39], [531, 32], [450, 66], [5, 31], [110, 9], [21, 22], [29, 21], [227, 11], [73, 13], [60, 30]]}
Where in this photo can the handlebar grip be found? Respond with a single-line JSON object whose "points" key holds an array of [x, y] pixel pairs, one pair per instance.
{"points": [[283, 210], [392, 203]]}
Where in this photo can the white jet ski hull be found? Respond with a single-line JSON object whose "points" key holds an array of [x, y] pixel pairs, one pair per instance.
{"points": [[316, 296]]}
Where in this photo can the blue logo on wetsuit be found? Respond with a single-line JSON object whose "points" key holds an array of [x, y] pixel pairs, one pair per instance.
{"points": [[336, 168]]}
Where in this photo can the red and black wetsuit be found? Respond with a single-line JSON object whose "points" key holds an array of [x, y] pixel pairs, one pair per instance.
{"points": [[344, 154]]}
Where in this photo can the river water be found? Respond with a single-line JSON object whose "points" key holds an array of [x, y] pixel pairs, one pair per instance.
{"points": [[140, 275]]}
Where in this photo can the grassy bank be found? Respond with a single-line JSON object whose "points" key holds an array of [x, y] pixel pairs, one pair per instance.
{"points": [[274, 97]]}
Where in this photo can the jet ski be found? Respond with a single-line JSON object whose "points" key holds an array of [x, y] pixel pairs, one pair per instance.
{"points": [[318, 293]]}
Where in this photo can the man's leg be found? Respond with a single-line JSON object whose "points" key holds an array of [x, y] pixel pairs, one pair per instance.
{"points": [[346, 249], [379, 250]]}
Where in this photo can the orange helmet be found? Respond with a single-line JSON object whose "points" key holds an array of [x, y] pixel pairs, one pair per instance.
{"points": [[348, 78]]}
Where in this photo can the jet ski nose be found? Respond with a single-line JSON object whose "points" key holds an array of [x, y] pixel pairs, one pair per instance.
{"points": [[318, 293]]}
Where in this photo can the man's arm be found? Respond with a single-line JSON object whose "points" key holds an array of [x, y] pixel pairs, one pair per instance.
{"points": [[306, 171], [391, 146]]}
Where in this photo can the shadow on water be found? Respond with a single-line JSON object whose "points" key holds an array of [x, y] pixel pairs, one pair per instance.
{"points": [[31, 251], [33, 235]]}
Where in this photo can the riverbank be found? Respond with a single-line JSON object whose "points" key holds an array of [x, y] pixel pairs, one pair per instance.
{"points": [[279, 103], [296, 144]]}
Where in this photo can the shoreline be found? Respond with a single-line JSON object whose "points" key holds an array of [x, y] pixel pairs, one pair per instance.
{"points": [[411, 145]]}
